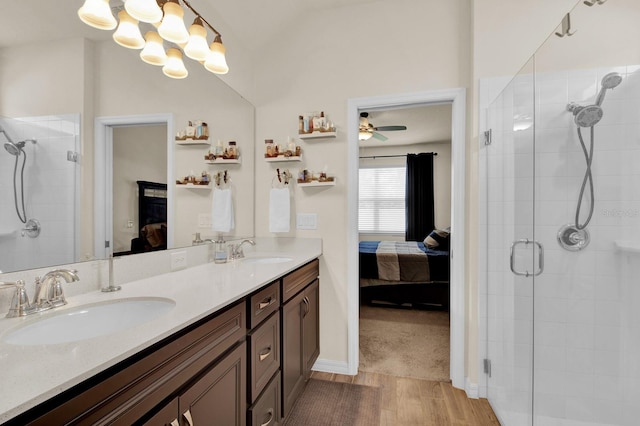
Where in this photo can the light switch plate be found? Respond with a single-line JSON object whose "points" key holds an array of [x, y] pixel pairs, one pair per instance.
{"points": [[204, 220], [307, 221]]}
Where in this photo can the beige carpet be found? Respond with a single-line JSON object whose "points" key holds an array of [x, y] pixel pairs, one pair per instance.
{"points": [[405, 342], [325, 403]]}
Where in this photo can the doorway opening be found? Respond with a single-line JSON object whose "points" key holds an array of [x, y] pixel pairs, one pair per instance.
{"points": [[456, 97]]}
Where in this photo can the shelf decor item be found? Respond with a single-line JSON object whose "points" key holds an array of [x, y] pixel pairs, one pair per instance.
{"points": [[314, 123]]}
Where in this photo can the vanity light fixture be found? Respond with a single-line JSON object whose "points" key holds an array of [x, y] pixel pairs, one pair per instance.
{"points": [[167, 18], [128, 34]]}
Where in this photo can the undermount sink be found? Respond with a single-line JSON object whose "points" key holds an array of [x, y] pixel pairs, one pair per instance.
{"points": [[267, 259], [89, 321]]}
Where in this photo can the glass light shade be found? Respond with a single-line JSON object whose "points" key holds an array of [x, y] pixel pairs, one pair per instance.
{"points": [[144, 10], [216, 61], [153, 52], [128, 34], [197, 47], [363, 135], [97, 13], [172, 26], [174, 67]]}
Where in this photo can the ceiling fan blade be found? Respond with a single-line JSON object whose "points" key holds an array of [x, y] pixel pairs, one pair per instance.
{"points": [[379, 136], [389, 128]]}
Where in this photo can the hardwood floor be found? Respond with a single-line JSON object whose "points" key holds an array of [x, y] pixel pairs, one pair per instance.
{"points": [[413, 402]]}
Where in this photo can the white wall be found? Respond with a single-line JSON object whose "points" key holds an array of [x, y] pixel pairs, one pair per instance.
{"points": [[318, 64]]}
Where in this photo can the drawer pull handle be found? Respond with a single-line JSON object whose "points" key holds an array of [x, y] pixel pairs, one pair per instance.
{"points": [[175, 422], [306, 306], [270, 412], [266, 302], [265, 353], [187, 417]]}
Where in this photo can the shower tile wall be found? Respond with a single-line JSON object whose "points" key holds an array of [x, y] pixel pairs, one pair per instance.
{"points": [[50, 183], [587, 325]]}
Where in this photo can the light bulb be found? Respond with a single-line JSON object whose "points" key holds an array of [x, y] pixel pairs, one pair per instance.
{"points": [[144, 10], [128, 34], [197, 47], [172, 26], [174, 67], [97, 13], [216, 62], [153, 52]]}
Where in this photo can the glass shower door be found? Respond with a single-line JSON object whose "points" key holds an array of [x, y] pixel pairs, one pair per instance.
{"points": [[512, 253]]}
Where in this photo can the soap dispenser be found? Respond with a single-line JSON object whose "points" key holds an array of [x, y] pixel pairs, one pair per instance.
{"points": [[220, 250]]}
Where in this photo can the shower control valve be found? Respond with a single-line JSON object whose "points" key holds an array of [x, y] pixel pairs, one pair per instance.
{"points": [[31, 228]]}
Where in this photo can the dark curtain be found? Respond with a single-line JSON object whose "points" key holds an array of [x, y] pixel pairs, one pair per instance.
{"points": [[419, 199]]}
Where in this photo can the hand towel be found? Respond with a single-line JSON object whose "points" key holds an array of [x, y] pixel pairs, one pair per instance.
{"points": [[222, 210], [279, 210]]}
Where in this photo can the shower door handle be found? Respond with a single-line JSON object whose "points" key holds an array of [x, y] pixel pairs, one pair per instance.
{"points": [[512, 261]]}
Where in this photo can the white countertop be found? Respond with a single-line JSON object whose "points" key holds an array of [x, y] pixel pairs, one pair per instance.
{"points": [[30, 375]]}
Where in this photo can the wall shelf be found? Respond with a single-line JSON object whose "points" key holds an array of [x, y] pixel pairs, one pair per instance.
{"points": [[193, 142], [317, 135], [192, 186], [282, 158], [316, 183], [224, 161]]}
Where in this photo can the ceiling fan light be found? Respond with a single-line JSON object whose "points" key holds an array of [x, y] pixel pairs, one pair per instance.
{"points": [[128, 34], [97, 13], [172, 26], [174, 67], [197, 47], [144, 10], [153, 52], [364, 135], [216, 61]]}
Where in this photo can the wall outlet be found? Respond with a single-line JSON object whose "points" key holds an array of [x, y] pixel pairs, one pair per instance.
{"points": [[178, 260], [204, 220], [307, 221]]}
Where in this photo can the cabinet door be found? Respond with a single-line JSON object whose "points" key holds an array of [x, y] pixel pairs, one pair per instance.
{"points": [[310, 327], [219, 396], [293, 368], [166, 416]]}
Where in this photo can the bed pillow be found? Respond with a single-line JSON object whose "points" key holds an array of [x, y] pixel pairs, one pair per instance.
{"points": [[438, 239]]}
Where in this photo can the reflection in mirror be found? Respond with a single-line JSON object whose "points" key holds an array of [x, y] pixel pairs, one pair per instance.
{"points": [[88, 76], [39, 188]]}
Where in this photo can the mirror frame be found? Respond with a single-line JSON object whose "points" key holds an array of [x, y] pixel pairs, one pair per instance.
{"points": [[103, 175]]}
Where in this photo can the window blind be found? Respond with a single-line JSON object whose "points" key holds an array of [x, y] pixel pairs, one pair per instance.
{"points": [[382, 200]]}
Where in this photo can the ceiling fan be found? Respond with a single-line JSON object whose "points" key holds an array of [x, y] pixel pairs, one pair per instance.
{"points": [[368, 130]]}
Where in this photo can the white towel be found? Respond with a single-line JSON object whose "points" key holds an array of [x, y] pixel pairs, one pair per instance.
{"points": [[279, 210], [222, 211]]}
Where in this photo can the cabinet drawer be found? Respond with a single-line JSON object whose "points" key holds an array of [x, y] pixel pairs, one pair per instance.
{"points": [[264, 355], [266, 410], [263, 303], [298, 279]]}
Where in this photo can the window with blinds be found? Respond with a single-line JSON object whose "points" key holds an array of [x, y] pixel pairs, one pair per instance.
{"points": [[382, 200]]}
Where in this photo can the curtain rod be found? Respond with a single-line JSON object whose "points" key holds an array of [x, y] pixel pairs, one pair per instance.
{"points": [[394, 156]]}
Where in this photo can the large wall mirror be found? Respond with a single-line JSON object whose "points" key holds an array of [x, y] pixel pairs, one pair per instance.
{"points": [[60, 83]]}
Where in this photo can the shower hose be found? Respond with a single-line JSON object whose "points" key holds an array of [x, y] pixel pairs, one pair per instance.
{"points": [[22, 215], [588, 155]]}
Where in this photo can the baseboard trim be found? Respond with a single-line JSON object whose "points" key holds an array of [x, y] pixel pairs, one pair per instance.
{"points": [[330, 366], [471, 389]]}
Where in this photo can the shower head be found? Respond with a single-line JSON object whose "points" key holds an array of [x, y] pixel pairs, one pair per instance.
{"points": [[585, 116], [14, 148], [609, 81]]}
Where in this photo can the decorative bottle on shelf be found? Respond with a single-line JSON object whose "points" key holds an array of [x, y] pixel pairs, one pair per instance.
{"points": [[232, 151], [190, 131], [268, 148], [219, 148]]}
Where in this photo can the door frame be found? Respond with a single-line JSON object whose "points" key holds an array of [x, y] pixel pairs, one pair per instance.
{"points": [[457, 98], [103, 175]]}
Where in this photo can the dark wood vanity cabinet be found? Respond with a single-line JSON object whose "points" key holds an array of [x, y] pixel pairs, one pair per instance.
{"points": [[244, 365], [300, 331]]}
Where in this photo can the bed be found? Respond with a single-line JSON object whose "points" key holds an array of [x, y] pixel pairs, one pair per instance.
{"points": [[404, 273], [152, 217]]}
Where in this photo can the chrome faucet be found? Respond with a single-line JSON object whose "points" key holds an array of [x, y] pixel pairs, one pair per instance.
{"points": [[49, 293], [236, 249]]}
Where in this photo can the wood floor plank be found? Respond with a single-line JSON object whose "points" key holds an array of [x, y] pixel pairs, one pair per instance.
{"points": [[388, 388], [435, 412], [431, 389], [321, 375], [483, 412], [408, 390], [343, 378], [388, 418]]}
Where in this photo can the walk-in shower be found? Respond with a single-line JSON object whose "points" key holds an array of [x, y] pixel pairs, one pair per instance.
{"points": [[574, 236], [32, 226]]}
